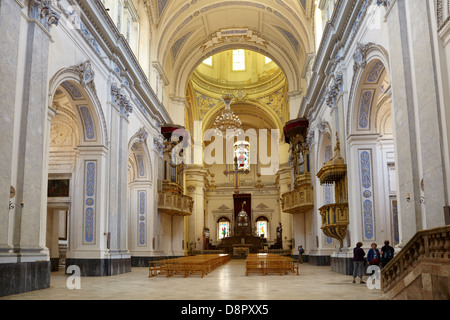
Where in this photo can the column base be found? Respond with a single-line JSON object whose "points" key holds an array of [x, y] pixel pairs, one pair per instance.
{"points": [[342, 263], [21, 277], [100, 267], [319, 260]]}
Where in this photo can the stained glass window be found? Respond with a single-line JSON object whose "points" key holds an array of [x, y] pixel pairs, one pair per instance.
{"points": [[224, 228], [242, 154], [262, 225]]}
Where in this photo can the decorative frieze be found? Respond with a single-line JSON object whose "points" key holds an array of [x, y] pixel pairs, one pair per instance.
{"points": [[367, 193], [89, 202]]}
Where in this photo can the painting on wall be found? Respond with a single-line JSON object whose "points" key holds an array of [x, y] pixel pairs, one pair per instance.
{"points": [[58, 188]]}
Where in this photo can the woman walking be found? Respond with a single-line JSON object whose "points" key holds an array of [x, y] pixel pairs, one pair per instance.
{"points": [[358, 262]]}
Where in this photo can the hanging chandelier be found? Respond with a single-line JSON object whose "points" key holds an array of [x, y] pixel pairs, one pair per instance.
{"points": [[227, 124]]}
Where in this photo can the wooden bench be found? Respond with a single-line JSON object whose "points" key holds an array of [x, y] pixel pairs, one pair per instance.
{"points": [[267, 262], [202, 264]]}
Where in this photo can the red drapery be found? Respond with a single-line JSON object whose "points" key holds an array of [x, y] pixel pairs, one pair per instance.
{"points": [[238, 200]]}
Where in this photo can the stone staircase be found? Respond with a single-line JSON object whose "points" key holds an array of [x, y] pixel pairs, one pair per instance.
{"points": [[421, 270]]}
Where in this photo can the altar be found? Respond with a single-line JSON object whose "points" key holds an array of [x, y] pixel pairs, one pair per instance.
{"points": [[242, 242], [241, 250]]}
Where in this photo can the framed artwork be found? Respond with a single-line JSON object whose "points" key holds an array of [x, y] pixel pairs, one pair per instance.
{"points": [[58, 188]]}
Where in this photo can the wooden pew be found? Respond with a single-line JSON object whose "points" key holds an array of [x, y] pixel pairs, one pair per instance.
{"points": [[267, 262], [202, 264]]}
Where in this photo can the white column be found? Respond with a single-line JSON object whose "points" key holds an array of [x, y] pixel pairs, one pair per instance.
{"points": [[286, 219], [177, 110], [294, 102], [10, 18], [88, 216], [195, 184], [30, 221]]}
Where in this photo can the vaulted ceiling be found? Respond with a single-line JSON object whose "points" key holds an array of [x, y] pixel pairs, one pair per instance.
{"points": [[185, 32]]}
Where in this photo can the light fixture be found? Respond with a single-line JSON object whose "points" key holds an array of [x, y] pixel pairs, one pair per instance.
{"points": [[227, 124]]}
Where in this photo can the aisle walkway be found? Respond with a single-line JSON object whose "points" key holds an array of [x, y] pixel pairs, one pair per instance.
{"points": [[226, 283]]}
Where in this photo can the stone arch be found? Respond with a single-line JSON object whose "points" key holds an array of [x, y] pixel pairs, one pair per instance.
{"points": [[183, 71], [139, 157], [367, 58], [325, 135], [73, 102], [79, 83]]}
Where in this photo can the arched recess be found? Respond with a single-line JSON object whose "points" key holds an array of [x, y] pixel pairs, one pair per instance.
{"points": [[76, 139], [80, 83], [371, 138], [282, 29], [141, 197], [186, 66]]}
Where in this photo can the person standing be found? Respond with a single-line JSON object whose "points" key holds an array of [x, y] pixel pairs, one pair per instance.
{"points": [[358, 262], [387, 254], [374, 256], [301, 251]]}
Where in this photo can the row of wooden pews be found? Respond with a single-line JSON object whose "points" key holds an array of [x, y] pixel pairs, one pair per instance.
{"points": [[201, 264], [267, 262]]}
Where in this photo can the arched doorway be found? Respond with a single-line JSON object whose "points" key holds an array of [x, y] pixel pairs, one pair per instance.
{"points": [[141, 201], [373, 178], [76, 156]]}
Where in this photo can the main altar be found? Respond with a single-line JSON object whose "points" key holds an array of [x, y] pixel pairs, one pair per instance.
{"points": [[242, 240]]}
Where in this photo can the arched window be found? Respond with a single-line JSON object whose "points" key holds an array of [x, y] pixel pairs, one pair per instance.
{"points": [[242, 155], [208, 61], [238, 60], [223, 228], [262, 227]]}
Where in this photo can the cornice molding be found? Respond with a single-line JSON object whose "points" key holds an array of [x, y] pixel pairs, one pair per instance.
{"points": [[100, 32]]}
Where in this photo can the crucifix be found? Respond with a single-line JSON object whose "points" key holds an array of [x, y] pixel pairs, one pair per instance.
{"points": [[236, 173]]}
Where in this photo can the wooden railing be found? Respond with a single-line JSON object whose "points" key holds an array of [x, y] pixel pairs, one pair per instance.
{"points": [[428, 245]]}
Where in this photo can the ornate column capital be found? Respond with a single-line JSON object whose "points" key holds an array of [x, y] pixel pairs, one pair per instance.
{"points": [[142, 135], [158, 143], [334, 90], [383, 3], [310, 139], [122, 101], [42, 11]]}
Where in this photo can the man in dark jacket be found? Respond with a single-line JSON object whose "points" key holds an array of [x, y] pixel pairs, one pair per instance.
{"points": [[387, 254], [358, 262]]}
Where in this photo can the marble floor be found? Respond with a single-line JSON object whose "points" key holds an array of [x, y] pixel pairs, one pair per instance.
{"points": [[225, 283]]}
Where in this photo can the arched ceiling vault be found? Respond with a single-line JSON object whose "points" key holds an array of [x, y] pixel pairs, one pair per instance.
{"points": [[279, 29]]}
